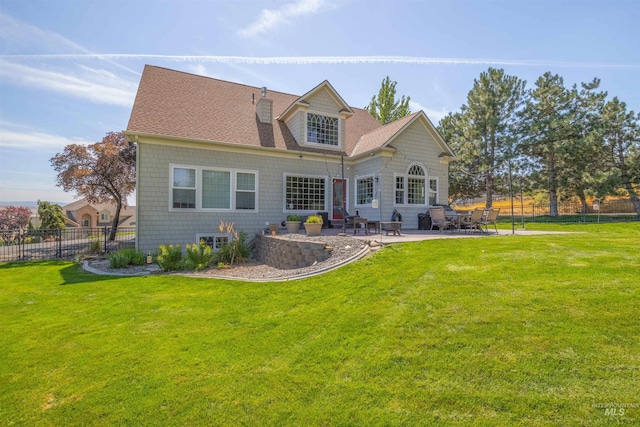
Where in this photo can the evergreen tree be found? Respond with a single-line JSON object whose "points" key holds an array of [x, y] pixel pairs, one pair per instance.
{"points": [[482, 134], [385, 107], [51, 215], [584, 171], [621, 137], [546, 124]]}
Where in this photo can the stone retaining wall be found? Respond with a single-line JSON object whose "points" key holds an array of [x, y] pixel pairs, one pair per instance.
{"points": [[285, 254]]}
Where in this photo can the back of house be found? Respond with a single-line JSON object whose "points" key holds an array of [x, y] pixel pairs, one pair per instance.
{"points": [[212, 151]]}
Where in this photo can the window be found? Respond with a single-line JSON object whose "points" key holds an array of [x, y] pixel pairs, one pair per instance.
{"points": [[215, 241], [433, 191], [216, 189], [410, 189], [184, 188], [364, 190], [400, 190], [322, 129], [305, 193], [104, 217], [245, 190], [84, 223]]}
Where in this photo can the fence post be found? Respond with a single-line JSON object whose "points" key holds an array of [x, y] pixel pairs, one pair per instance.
{"points": [[59, 242], [105, 239]]}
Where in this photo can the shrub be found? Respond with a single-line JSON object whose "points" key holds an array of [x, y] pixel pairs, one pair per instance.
{"points": [[237, 250], [95, 246], [314, 219], [169, 258], [199, 256], [125, 257]]}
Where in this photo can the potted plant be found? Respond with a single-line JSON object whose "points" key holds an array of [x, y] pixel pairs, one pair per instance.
{"points": [[293, 223], [313, 225]]}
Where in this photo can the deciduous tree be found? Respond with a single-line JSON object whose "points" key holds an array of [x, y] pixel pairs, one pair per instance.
{"points": [[103, 172], [14, 218], [385, 107]]}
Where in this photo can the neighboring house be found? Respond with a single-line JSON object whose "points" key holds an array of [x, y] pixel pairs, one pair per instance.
{"points": [[86, 215], [211, 151]]}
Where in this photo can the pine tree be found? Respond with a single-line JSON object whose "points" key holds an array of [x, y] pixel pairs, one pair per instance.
{"points": [[482, 134]]}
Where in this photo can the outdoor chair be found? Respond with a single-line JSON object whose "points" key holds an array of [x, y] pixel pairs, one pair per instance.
{"points": [[491, 219], [477, 218], [438, 218], [346, 218]]}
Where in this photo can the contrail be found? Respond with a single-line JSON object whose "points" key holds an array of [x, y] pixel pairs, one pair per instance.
{"points": [[314, 60]]}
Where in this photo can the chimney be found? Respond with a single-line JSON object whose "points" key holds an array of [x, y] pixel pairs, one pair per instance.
{"points": [[264, 108]]}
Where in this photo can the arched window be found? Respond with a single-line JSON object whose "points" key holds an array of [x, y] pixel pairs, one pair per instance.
{"points": [[416, 185]]}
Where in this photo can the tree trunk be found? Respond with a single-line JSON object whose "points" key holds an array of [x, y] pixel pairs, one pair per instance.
{"points": [[629, 187], [116, 220], [489, 187], [583, 201], [552, 185]]}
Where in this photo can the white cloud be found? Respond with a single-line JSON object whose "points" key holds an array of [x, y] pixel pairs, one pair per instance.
{"points": [[270, 18], [434, 115], [28, 139], [98, 86]]}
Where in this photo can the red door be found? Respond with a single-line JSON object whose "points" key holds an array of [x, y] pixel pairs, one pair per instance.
{"points": [[339, 198]]}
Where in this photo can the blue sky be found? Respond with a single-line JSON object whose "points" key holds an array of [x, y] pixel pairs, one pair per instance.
{"points": [[69, 69]]}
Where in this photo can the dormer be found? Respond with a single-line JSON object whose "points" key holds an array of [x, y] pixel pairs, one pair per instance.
{"points": [[317, 119]]}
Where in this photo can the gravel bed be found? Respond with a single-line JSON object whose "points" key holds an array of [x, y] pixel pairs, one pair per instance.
{"points": [[344, 247]]}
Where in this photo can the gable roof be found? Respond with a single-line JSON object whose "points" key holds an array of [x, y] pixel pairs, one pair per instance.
{"points": [[303, 100], [385, 135], [181, 105]]}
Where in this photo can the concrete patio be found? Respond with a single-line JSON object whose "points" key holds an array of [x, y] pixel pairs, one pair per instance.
{"points": [[419, 235]]}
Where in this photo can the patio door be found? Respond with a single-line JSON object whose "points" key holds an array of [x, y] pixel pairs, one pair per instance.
{"points": [[339, 198]]}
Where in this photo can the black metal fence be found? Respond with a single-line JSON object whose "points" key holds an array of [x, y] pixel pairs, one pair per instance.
{"points": [[609, 211], [61, 243]]}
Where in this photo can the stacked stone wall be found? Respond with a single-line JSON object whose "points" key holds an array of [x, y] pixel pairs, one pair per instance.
{"points": [[285, 254]]}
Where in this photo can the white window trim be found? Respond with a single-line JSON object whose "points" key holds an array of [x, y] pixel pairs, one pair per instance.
{"points": [[198, 188], [404, 198], [437, 180], [318, 144], [373, 189], [213, 236], [406, 176], [327, 185]]}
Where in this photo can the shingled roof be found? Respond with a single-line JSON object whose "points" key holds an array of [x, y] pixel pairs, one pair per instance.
{"points": [[182, 105]]}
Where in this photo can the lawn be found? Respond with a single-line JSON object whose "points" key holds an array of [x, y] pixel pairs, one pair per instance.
{"points": [[502, 330]]}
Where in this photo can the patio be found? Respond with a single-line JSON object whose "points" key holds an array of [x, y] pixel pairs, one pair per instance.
{"points": [[414, 235]]}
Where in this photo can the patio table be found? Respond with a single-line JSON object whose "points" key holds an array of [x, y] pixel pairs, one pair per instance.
{"points": [[356, 224], [458, 219]]}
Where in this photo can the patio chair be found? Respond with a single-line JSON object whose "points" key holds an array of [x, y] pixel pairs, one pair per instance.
{"points": [[491, 219], [346, 218], [477, 218], [438, 218]]}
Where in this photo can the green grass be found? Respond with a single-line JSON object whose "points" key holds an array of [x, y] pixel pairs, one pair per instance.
{"points": [[502, 330]]}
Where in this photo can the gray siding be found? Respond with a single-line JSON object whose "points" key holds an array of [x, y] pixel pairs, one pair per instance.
{"points": [[157, 224]]}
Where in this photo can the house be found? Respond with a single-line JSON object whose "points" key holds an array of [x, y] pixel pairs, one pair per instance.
{"points": [[211, 150], [82, 214]]}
